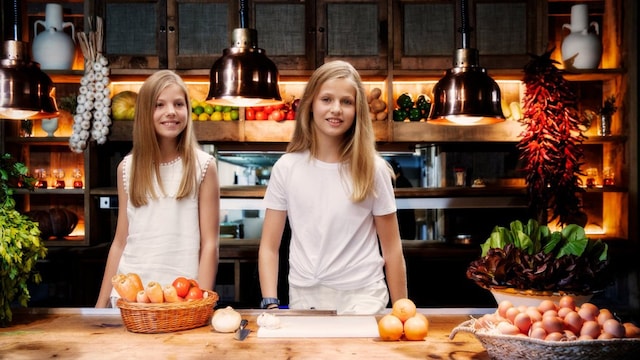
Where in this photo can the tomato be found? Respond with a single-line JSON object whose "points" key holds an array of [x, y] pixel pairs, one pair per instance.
{"points": [[194, 283], [182, 285], [195, 293], [269, 109], [291, 115], [261, 115], [277, 115], [249, 114]]}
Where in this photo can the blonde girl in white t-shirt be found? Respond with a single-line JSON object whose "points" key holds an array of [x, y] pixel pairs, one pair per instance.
{"points": [[337, 193]]}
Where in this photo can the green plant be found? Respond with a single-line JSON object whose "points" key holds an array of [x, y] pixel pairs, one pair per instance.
{"points": [[20, 243], [532, 257], [69, 103], [550, 147]]}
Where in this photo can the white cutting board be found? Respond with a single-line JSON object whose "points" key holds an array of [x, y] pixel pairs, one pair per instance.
{"points": [[323, 327]]}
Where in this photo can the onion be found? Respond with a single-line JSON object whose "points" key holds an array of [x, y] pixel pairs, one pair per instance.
{"points": [[226, 320]]}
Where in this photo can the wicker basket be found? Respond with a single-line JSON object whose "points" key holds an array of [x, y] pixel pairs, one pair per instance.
{"points": [[510, 347], [167, 317]]}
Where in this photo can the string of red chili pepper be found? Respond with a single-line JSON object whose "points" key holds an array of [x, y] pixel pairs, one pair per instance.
{"points": [[550, 146]]}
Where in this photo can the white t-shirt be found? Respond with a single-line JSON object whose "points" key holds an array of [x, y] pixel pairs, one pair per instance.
{"points": [[333, 240], [164, 235]]}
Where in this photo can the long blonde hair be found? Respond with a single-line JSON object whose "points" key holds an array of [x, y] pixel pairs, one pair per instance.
{"points": [[358, 149], [145, 167]]}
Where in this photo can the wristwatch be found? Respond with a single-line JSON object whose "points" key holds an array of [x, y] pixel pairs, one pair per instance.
{"points": [[269, 301]]}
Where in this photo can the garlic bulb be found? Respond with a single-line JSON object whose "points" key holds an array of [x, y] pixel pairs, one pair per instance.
{"points": [[268, 321], [93, 98]]}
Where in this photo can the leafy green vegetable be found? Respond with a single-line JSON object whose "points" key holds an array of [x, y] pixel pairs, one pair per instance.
{"points": [[532, 238], [532, 257]]}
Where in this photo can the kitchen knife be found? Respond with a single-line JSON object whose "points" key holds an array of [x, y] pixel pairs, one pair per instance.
{"points": [[242, 331]]}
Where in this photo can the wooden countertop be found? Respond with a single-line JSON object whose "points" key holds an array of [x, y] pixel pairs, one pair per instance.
{"points": [[84, 333]]}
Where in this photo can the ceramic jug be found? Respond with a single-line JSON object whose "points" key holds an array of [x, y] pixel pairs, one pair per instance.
{"points": [[53, 48], [581, 49]]}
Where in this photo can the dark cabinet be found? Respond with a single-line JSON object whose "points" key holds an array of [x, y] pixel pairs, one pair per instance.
{"points": [[304, 35], [427, 32], [161, 34]]}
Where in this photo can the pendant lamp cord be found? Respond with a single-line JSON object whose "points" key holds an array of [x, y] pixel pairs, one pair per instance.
{"points": [[465, 29], [12, 20], [244, 14]]}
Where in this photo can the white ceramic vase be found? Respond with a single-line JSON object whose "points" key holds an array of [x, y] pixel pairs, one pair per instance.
{"points": [[53, 48], [581, 49], [50, 126]]}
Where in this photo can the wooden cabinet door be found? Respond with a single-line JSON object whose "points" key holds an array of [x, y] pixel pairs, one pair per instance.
{"points": [[286, 32], [355, 31], [303, 35], [427, 32], [202, 31], [161, 34], [135, 33]]}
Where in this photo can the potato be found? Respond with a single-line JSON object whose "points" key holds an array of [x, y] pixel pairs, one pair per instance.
{"points": [[374, 94], [377, 105], [381, 116]]}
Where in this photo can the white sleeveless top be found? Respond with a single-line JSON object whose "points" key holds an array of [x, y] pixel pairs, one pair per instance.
{"points": [[164, 235]]}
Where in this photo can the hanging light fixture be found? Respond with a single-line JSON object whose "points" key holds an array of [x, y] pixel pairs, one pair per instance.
{"points": [[244, 75], [26, 92], [466, 95]]}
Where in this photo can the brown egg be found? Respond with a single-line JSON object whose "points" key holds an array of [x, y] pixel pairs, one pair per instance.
{"points": [[506, 328], [570, 335], [588, 311], [485, 321], [604, 315], [552, 313], [511, 314], [631, 330], [503, 307], [536, 325], [585, 337], [614, 328], [567, 301], [552, 324], [590, 328], [605, 336], [547, 305], [573, 321], [523, 322], [538, 333], [563, 311], [554, 336], [533, 313]]}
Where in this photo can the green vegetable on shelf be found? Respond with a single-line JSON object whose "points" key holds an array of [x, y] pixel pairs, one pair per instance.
{"points": [[404, 102], [415, 114], [399, 115], [424, 105]]}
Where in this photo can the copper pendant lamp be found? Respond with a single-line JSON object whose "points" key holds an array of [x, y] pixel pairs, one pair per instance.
{"points": [[244, 75], [26, 92], [466, 95]]}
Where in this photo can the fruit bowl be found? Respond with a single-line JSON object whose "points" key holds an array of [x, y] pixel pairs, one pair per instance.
{"points": [[166, 317]]}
